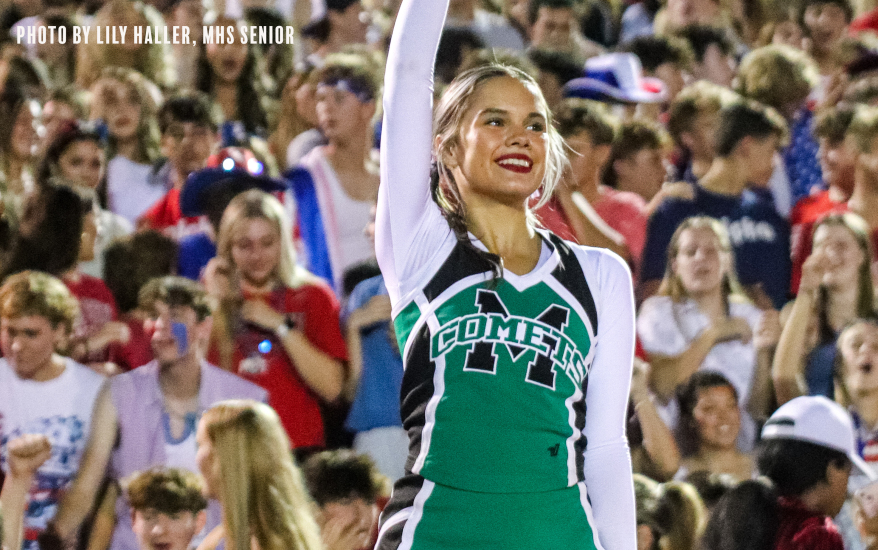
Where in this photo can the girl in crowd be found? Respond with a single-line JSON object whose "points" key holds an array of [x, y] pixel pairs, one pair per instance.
{"points": [[465, 269], [670, 516], [244, 457], [127, 103], [710, 421], [277, 325], [857, 379], [152, 60], [59, 59], [836, 287], [298, 116], [701, 320], [78, 155], [231, 74], [18, 139]]}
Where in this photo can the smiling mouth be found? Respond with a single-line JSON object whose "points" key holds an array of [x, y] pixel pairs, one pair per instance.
{"points": [[517, 164]]}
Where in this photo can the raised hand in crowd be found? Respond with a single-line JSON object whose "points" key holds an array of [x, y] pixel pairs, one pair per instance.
{"points": [[25, 454]]}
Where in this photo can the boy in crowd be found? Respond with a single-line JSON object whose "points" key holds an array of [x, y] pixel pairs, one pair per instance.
{"points": [[825, 23], [748, 137], [664, 57], [692, 122], [637, 162], [345, 487], [167, 508], [838, 161], [555, 69], [595, 214], [188, 125], [336, 184], [714, 54], [42, 392], [147, 417], [494, 30], [554, 27]]}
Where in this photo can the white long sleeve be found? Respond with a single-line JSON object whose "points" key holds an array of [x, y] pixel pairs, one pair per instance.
{"points": [[409, 227], [607, 460]]}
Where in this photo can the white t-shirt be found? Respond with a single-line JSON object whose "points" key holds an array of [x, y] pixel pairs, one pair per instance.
{"points": [[669, 328], [130, 190], [61, 410]]}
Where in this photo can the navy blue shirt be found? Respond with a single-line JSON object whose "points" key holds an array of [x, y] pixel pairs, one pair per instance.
{"points": [[195, 251], [760, 238]]}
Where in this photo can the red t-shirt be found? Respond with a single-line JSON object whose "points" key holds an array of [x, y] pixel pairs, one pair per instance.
{"points": [[260, 358], [553, 218], [138, 351], [165, 216], [97, 307], [624, 212], [803, 242], [802, 529]]}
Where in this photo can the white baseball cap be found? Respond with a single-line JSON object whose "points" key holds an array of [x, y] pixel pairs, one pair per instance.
{"points": [[817, 420]]}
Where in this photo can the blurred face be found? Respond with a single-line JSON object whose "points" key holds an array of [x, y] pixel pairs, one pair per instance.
{"points": [[227, 60], [687, 12], [672, 76], [256, 250], [867, 509], [340, 114], [52, 54], [717, 416], [642, 173], [586, 159], [701, 138], [351, 24], [83, 164], [190, 13], [716, 66], [826, 24], [175, 332], [122, 109], [188, 145], [553, 29], [24, 133], [838, 161], [28, 343], [353, 511], [700, 263], [159, 531], [501, 151], [206, 459], [788, 33], [843, 255], [55, 113], [760, 159], [306, 103], [859, 351]]}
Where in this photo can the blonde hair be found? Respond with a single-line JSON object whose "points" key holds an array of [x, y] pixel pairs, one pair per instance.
{"points": [[672, 285], [261, 490], [148, 96], [777, 75]]}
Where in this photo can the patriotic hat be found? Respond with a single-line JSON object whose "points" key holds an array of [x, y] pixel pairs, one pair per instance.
{"points": [[616, 77]]}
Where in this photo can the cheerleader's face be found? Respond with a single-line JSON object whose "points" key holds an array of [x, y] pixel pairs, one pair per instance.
{"points": [[501, 150], [256, 250]]}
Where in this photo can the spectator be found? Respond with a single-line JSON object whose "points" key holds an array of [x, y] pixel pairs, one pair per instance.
{"points": [[78, 155], [25, 454], [747, 140], [18, 140], [189, 14], [455, 46], [42, 392], [59, 59], [188, 125], [637, 162], [702, 320], [825, 23], [664, 57], [555, 70], [167, 508], [297, 117], [838, 164], [786, 29], [343, 23], [148, 416], [806, 453], [152, 60], [855, 375], [276, 324], [336, 185], [243, 452], [836, 287], [231, 74], [637, 20], [710, 422], [782, 78], [714, 54], [62, 105], [692, 122], [670, 515], [554, 26], [345, 486], [123, 100], [129, 264], [866, 514], [656, 453]]}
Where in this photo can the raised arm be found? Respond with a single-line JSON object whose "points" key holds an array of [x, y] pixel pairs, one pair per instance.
{"points": [[406, 213]]}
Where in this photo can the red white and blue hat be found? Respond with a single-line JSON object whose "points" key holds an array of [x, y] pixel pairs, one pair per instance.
{"points": [[616, 77]]}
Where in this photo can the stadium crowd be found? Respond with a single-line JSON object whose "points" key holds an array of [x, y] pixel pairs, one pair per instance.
{"points": [[190, 291]]}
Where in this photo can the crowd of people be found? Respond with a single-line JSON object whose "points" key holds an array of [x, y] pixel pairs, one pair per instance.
{"points": [[215, 262]]}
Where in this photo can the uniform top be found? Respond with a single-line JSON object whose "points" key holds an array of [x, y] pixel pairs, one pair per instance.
{"points": [[445, 310]]}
